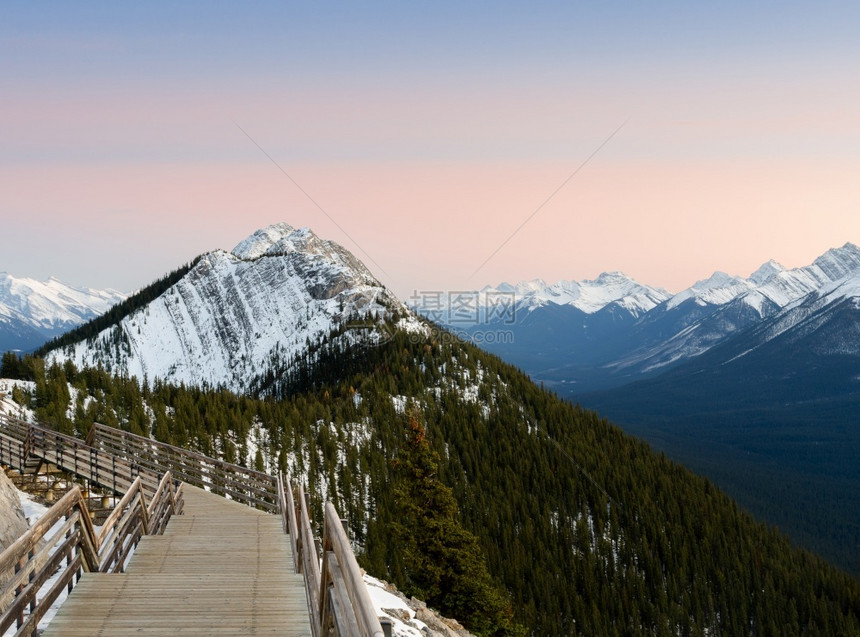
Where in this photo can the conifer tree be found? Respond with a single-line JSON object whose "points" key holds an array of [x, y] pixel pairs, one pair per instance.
{"points": [[443, 562]]}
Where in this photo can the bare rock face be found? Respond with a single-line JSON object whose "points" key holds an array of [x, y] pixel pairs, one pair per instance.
{"points": [[13, 524], [437, 626]]}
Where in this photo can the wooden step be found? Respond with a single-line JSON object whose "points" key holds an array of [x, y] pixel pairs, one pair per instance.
{"points": [[221, 568]]}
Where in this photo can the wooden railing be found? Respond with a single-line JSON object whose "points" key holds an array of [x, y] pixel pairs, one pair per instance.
{"points": [[73, 455], [338, 600], [13, 427], [33, 559], [248, 486], [12, 451]]}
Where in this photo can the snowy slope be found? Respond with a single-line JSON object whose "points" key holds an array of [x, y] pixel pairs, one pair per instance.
{"points": [[32, 312], [813, 318], [223, 323]]}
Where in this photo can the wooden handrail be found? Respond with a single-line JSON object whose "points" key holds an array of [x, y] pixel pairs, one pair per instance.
{"points": [[240, 483], [308, 559], [11, 451], [29, 562], [343, 571], [73, 455], [288, 516], [337, 596]]}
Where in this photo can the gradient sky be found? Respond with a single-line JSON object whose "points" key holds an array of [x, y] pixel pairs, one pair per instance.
{"points": [[429, 132]]}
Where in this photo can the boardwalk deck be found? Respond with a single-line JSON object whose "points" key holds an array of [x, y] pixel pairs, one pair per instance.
{"points": [[221, 568]]}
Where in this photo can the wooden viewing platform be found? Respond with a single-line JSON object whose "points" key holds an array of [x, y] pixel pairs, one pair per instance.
{"points": [[221, 568]]}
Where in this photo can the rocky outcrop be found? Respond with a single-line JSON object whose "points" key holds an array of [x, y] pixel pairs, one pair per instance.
{"points": [[410, 616], [13, 524]]}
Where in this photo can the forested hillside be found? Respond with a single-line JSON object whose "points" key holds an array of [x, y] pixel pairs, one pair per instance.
{"points": [[587, 529]]}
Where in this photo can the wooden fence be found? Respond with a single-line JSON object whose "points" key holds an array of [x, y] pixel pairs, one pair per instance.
{"points": [[338, 601], [28, 565], [245, 485], [26, 445]]}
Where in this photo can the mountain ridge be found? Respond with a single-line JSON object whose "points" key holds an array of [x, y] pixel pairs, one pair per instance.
{"points": [[33, 312], [648, 329], [232, 313]]}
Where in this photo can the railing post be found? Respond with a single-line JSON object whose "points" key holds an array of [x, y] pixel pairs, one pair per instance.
{"points": [[69, 586], [18, 590], [30, 554], [28, 442], [324, 584]]}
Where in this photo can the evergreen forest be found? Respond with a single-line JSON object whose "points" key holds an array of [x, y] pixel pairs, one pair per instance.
{"points": [[468, 485]]}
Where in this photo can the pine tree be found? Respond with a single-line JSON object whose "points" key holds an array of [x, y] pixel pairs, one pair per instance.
{"points": [[443, 562]]}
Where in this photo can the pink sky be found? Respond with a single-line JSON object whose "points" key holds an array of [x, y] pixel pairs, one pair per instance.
{"points": [[120, 159], [429, 226]]}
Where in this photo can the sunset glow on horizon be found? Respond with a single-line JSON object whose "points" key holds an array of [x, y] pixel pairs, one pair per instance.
{"points": [[430, 135]]}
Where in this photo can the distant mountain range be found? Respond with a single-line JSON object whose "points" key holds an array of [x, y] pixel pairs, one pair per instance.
{"points": [[753, 381], [577, 337], [33, 312]]}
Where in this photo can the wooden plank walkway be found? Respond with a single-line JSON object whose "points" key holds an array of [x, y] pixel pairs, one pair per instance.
{"points": [[221, 568]]}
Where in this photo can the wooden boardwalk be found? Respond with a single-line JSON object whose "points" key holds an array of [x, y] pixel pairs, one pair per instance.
{"points": [[221, 568]]}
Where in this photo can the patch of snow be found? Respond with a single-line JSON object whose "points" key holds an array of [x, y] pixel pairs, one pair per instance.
{"points": [[9, 406], [389, 605], [400, 403]]}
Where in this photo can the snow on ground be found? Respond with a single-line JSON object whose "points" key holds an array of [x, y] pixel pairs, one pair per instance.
{"points": [[32, 510], [9, 406], [400, 402], [389, 605]]}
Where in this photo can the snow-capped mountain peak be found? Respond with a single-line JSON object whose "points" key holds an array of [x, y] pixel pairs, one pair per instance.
{"points": [[281, 239], [717, 289], [262, 241], [766, 271], [836, 263], [589, 296], [773, 286], [230, 317]]}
